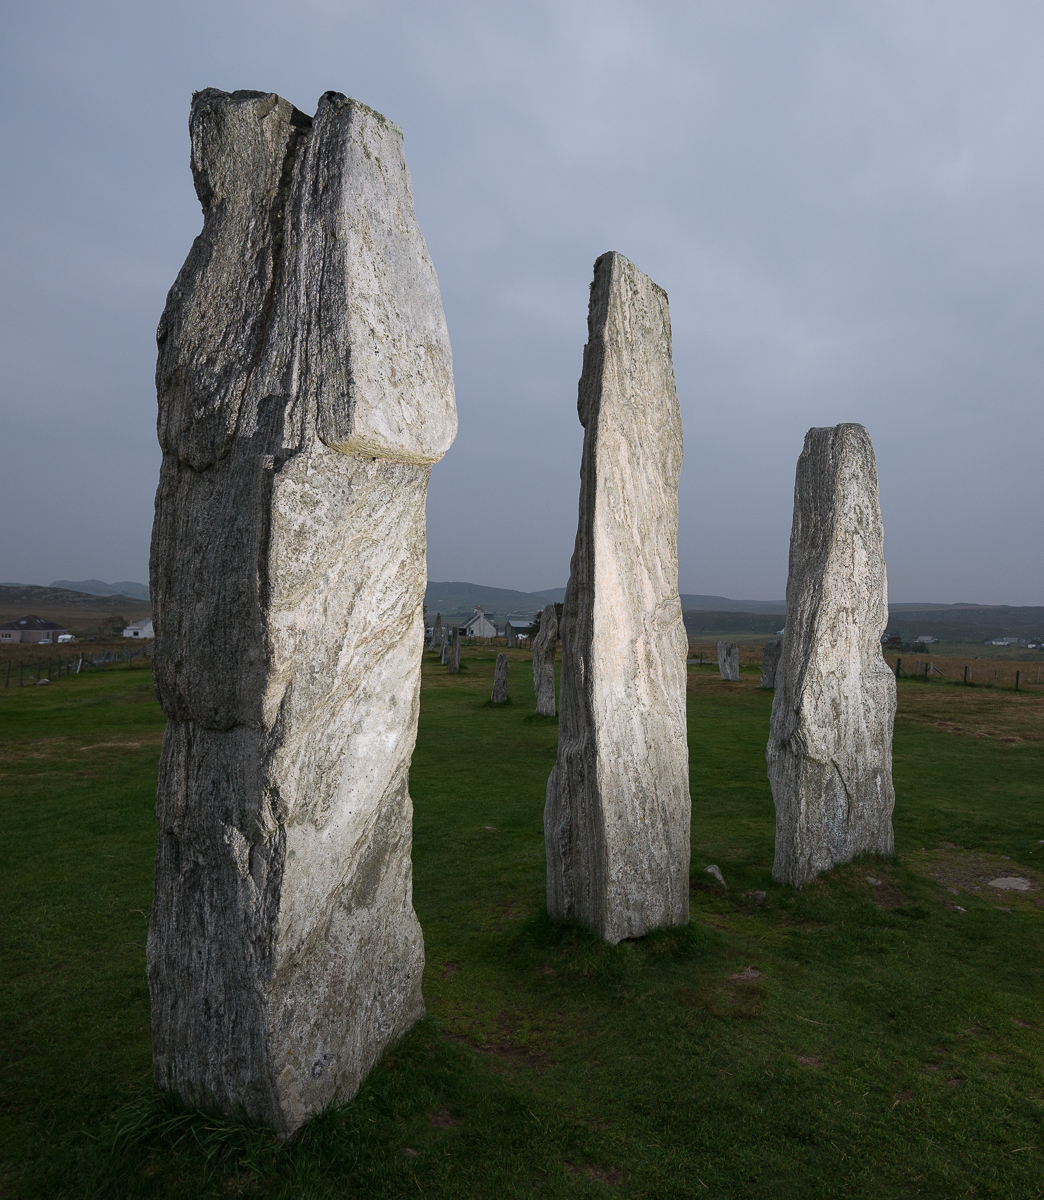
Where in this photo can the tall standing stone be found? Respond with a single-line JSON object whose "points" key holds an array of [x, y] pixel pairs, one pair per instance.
{"points": [[453, 658], [444, 649], [728, 661], [769, 662], [617, 814], [436, 631], [544, 645], [500, 680], [830, 744], [305, 388], [512, 637]]}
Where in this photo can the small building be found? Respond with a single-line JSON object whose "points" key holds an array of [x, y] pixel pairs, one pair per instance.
{"points": [[139, 629], [30, 629], [513, 630], [480, 625], [926, 640]]}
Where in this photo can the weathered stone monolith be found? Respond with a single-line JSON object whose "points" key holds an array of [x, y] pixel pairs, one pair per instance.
{"points": [[436, 632], [500, 680], [617, 815], [769, 662], [453, 658], [512, 637], [444, 649], [830, 743], [728, 661], [544, 645], [305, 388]]}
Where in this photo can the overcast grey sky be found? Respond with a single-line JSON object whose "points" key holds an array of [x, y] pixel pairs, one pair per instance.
{"points": [[844, 201]]}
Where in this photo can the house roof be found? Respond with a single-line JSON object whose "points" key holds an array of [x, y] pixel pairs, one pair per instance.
{"points": [[521, 624], [27, 623], [139, 624]]}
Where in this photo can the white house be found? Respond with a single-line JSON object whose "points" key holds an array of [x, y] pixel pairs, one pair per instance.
{"points": [[480, 625], [139, 629]]}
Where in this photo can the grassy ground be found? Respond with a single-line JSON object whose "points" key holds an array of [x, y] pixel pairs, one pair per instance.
{"points": [[853, 1039]]}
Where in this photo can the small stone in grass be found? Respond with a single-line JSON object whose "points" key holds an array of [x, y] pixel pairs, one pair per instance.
{"points": [[953, 891], [959, 909], [759, 897], [1012, 883], [716, 872], [809, 1060], [875, 882], [747, 974], [409, 1152]]}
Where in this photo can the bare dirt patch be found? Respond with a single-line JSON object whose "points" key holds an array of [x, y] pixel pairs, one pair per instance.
{"points": [[442, 1118], [966, 872]]}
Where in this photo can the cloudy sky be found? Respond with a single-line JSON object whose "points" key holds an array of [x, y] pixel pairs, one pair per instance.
{"points": [[844, 201]]}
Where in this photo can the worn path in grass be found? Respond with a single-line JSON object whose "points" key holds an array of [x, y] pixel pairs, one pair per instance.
{"points": [[857, 1038]]}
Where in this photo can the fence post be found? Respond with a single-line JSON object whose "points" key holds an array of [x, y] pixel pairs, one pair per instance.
{"points": [[20, 664], [1017, 674], [898, 664], [965, 676], [7, 681], [925, 672]]}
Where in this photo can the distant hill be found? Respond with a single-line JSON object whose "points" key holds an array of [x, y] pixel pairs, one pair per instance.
{"points": [[95, 587], [80, 612], [461, 598]]}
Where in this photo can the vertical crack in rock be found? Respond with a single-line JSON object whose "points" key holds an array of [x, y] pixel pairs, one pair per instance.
{"points": [[305, 389], [617, 814], [830, 743]]}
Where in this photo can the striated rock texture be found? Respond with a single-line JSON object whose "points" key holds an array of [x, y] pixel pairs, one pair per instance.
{"points": [[728, 661], [500, 680], [436, 632], [444, 648], [305, 388], [769, 662], [544, 645], [453, 657], [830, 744], [617, 814]]}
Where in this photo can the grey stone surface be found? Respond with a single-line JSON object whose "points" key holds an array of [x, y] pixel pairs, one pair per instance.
{"points": [[544, 646], [305, 388], [617, 813], [830, 742], [715, 871], [728, 661], [444, 649], [453, 656], [512, 637], [500, 679], [769, 662], [436, 631]]}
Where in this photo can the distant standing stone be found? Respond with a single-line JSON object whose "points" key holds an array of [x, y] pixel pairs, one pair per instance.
{"points": [[500, 679], [769, 661], [512, 637], [436, 631], [728, 661], [454, 652], [544, 661], [830, 742], [445, 647], [617, 815]]}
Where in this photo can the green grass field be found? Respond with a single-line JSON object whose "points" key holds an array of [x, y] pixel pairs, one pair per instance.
{"points": [[889, 1044]]}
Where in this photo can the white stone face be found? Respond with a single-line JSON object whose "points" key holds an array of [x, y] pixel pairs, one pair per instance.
{"points": [[617, 814], [288, 576], [830, 744]]}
